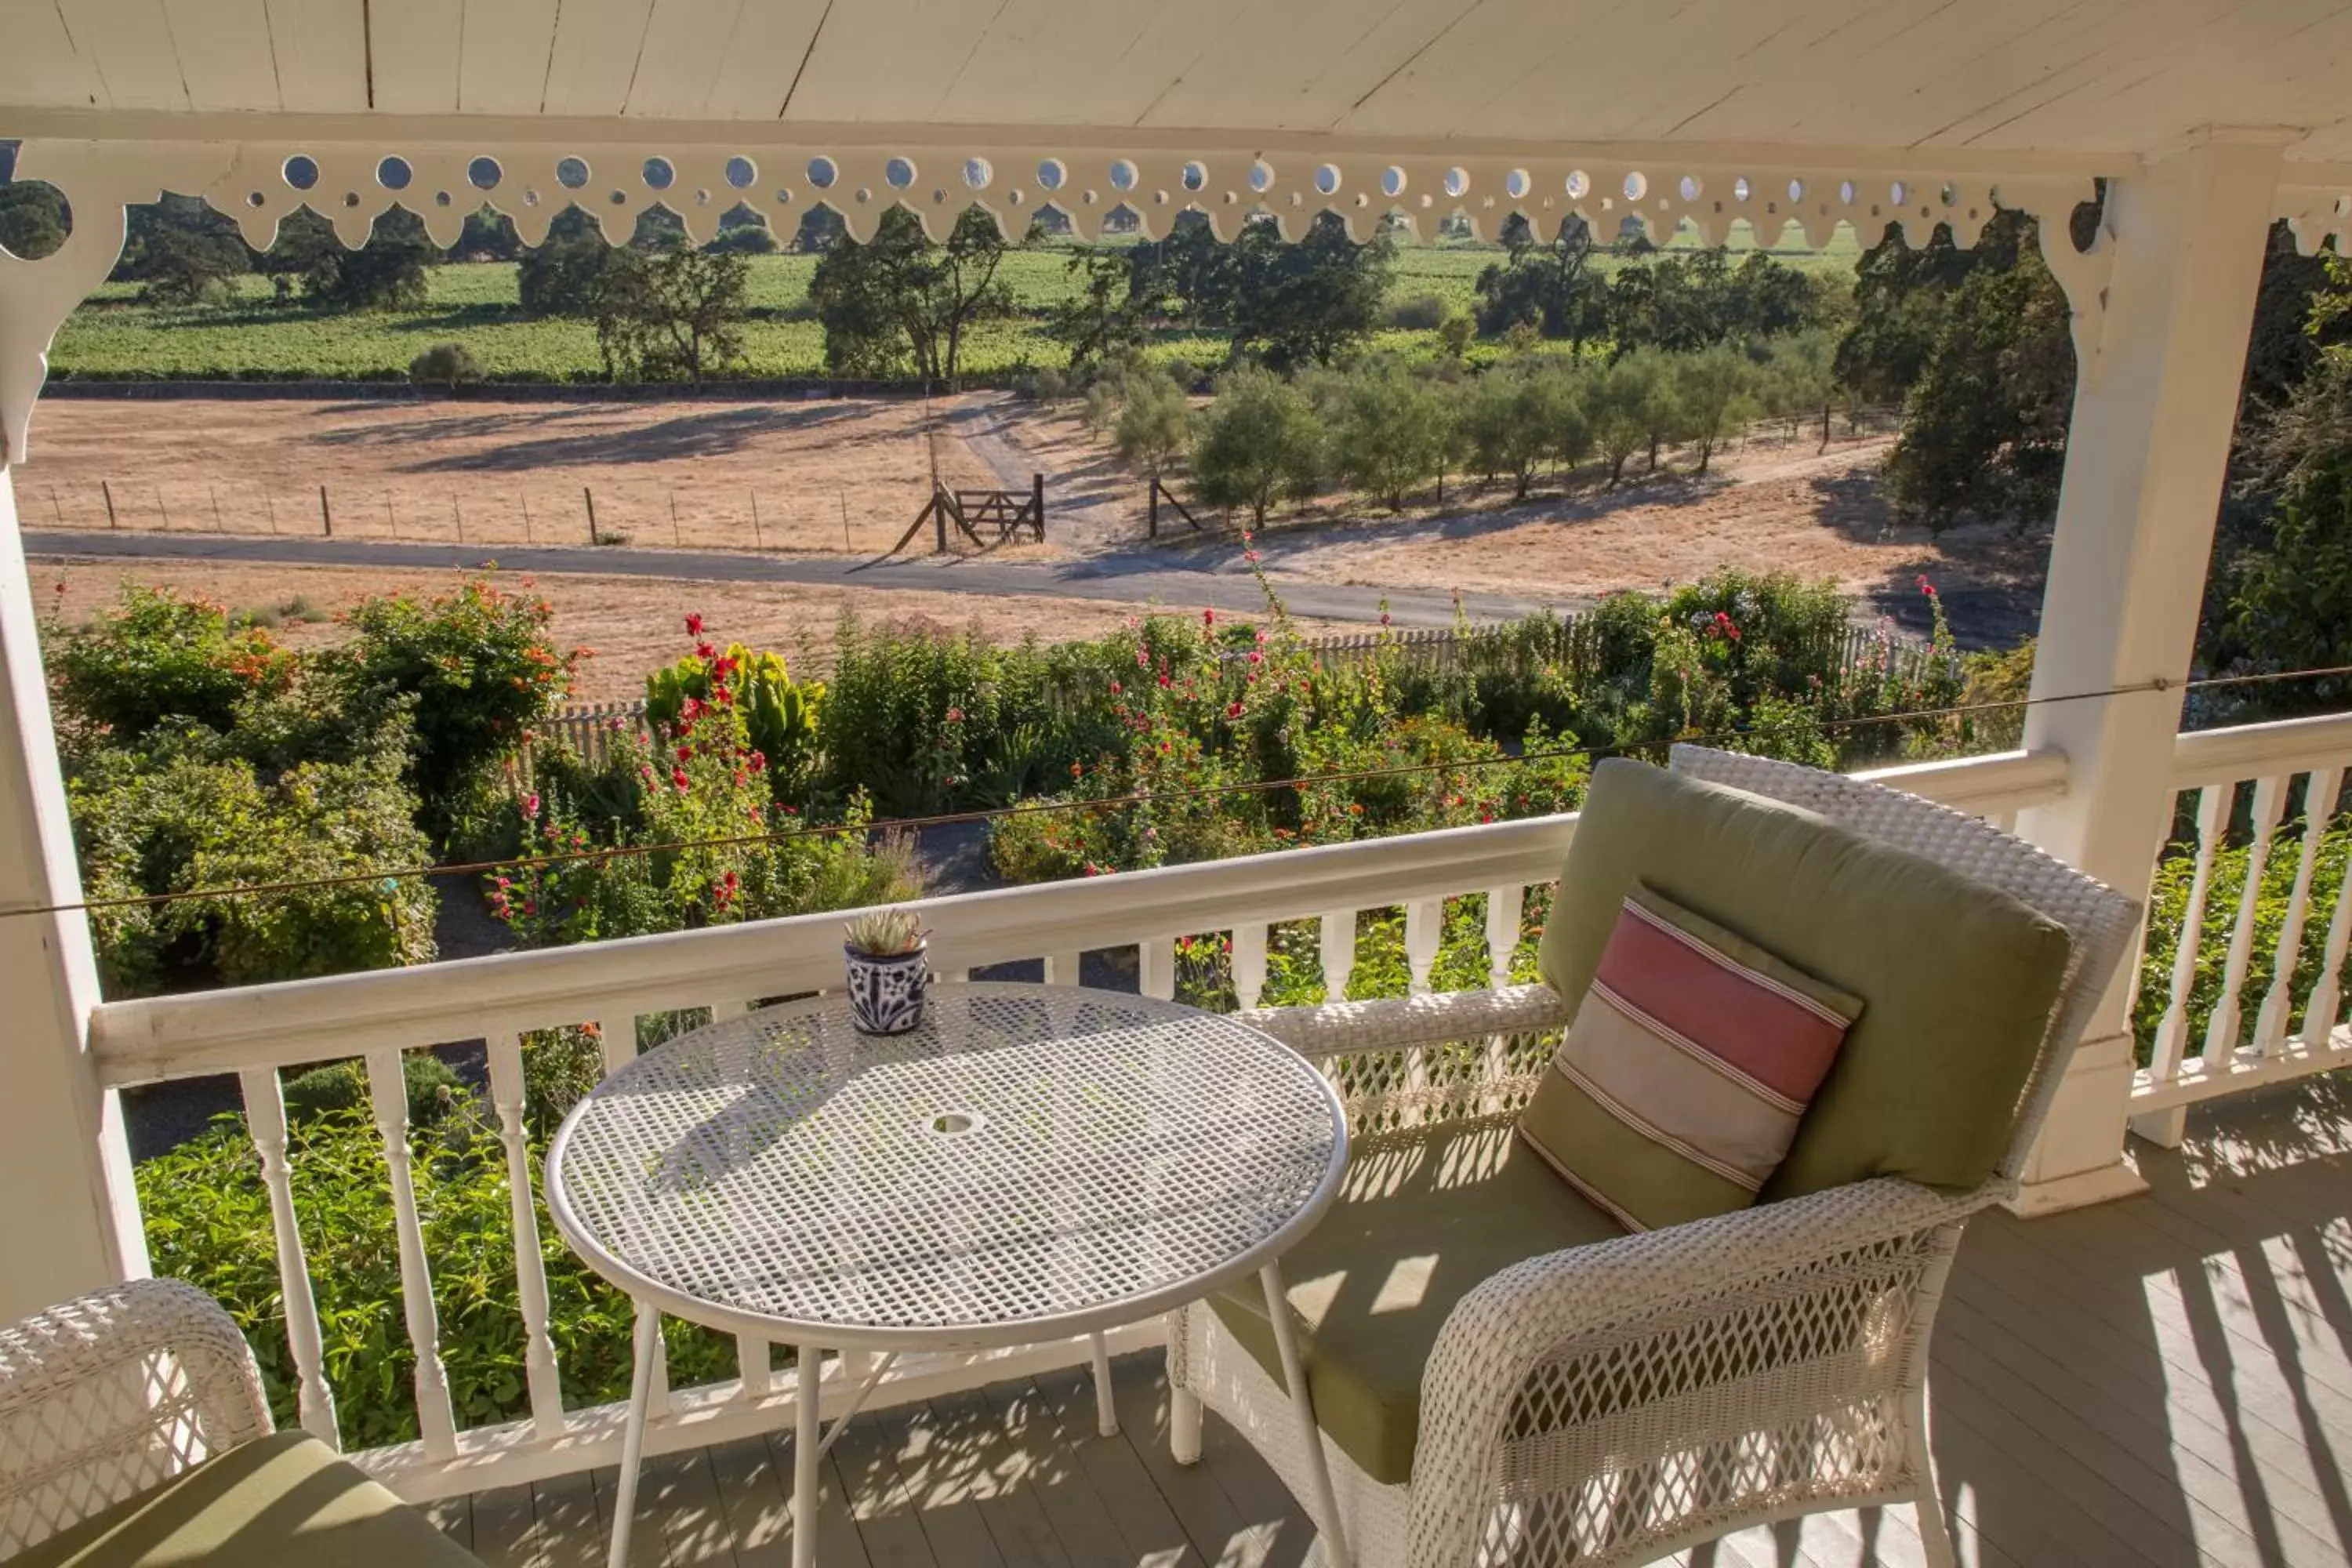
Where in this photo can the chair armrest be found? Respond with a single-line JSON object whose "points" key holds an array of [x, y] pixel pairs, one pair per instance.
{"points": [[111, 1394], [1603, 1356], [1397, 1023]]}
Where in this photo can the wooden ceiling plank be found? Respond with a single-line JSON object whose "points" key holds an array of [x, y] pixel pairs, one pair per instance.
{"points": [[763, 53], [595, 56], [686, 46], [226, 58], [1501, 44], [1079, 62], [129, 43], [413, 50], [892, 61], [321, 49], [502, 53], [41, 68]]}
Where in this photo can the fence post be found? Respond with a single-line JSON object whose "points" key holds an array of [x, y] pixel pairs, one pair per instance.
{"points": [[673, 519], [214, 491], [1151, 517], [58, 511], [326, 514], [457, 517], [590, 493], [269, 504], [1037, 502], [846, 548], [756, 542], [392, 519], [107, 490], [163, 511], [525, 517]]}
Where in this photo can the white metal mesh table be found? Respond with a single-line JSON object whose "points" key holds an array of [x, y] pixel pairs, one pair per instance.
{"points": [[1032, 1162]]}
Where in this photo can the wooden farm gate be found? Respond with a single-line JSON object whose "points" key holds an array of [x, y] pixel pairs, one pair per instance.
{"points": [[1005, 514]]}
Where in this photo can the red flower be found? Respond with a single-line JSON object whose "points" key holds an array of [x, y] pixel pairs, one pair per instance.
{"points": [[1924, 586], [685, 753], [955, 715], [1384, 617], [759, 761], [677, 777], [1232, 710], [1164, 683], [693, 626], [1208, 618], [704, 650], [1116, 689]]}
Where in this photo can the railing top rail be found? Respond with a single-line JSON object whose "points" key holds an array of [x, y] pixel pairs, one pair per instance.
{"points": [[2204, 757], [303, 1020]]}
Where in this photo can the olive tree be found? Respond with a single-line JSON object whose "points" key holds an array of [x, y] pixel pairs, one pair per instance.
{"points": [[1261, 443]]}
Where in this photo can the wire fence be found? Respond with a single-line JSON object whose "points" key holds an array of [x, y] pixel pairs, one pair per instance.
{"points": [[704, 517]]}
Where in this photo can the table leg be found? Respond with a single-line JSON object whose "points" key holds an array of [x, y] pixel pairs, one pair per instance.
{"points": [[1105, 1415], [805, 1440], [1294, 1378], [643, 1343]]}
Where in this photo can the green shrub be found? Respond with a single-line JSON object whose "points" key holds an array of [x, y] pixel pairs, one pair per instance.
{"points": [[159, 654], [433, 1087], [780, 715], [177, 818], [208, 1222], [1417, 312], [446, 365], [481, 672]]}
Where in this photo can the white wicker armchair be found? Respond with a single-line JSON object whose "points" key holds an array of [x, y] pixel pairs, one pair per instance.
{"points": [[111, 1394], [1615, 1402]]}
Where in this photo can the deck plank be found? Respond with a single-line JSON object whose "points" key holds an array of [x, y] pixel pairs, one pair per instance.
{"points": [[2159, 1381], [1081, 1520]]}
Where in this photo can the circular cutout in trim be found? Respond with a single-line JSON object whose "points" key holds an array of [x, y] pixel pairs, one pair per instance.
{"points": [[572, 173], [393, 173], [1123, 174], [484, 173], [1261, 175], [821, 172], [1456, 180], [1051, 174], [1194, 175], [1578, 185], [1637, 185], [1392, 180], [899, 174], [978, 172], [1326, 179], [741, 173], [301, 171], [659, 173], [1517, 184]]}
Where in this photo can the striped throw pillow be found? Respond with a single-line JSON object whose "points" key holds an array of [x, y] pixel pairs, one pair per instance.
{"points": [[1679, 1085]]}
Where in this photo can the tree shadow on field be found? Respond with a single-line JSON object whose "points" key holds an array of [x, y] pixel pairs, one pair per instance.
{"points": [[448, 427], [708, 434], [1856, 506]]}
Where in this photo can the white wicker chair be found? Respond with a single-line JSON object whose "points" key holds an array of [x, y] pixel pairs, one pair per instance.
{"points": [[1615, 1402], [111, 1394]]}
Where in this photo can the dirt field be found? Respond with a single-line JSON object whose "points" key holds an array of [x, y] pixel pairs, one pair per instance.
{"points": [[825, 476], [633, 624]]}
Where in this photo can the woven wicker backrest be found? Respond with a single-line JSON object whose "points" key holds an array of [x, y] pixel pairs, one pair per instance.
{"points": [[2100, 920]]}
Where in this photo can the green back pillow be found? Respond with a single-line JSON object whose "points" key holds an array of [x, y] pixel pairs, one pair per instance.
{"points": [[1959, 979]]}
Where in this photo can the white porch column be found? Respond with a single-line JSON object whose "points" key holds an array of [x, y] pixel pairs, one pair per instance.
{"points": [[69, 1220], [2155, 400]]}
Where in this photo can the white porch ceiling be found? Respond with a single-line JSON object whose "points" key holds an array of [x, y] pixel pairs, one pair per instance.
{"points": [[2093, 78]]}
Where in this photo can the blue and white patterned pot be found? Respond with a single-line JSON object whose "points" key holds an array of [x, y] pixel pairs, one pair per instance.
{"points": [[885, 991]]}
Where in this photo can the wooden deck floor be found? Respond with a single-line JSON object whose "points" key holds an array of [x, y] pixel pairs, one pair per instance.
{"points": [[2164, 1381]]}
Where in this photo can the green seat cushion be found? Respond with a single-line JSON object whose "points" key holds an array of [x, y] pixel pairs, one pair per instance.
{"points": [[282, 1502], [1423, 1220], [1958, 980]]}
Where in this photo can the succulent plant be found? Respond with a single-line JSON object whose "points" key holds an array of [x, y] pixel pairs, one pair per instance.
{"points": [[884, 933]]}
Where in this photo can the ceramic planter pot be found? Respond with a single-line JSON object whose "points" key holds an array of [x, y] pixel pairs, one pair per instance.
{"points": [[886, 990]]}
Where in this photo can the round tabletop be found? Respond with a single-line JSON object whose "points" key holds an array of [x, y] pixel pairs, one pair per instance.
{"points": [[1032, 1161]]}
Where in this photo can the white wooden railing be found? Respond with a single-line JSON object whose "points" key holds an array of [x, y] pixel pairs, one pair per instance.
{"points": [[2248, 1039], [255, 1032]]}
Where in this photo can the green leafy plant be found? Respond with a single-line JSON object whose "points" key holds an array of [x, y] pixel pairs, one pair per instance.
{"points": [[884, 933], [780, 715]]}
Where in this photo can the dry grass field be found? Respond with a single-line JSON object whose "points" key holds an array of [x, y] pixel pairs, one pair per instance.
{"points": [[830, 476]]}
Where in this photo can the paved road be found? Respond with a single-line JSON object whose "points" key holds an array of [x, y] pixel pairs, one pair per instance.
{"points": [[1124, 578]]}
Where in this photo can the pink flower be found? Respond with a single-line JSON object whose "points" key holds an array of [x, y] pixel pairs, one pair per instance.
{"points": [[955, 715], [1116, 689], [530, 805], [1256, 657], [1384, 617]]}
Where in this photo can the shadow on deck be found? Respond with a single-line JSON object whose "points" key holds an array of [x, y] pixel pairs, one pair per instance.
{"points": [[2166, 1380]]}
